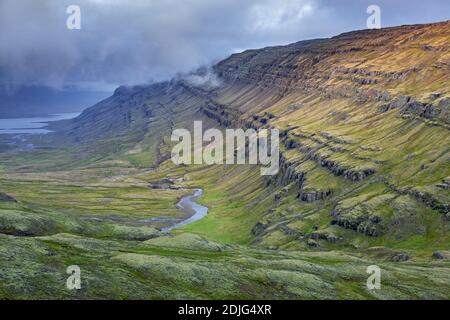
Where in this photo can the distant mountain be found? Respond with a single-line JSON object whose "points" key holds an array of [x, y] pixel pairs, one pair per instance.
{"points": [[37, 101]]}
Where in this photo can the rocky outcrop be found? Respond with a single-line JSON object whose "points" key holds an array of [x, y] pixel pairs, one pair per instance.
{"points": [[442, 255], [425, 110], [220, 113], [6, 198], [431, 201], [400, 257], [263, 119], [164, 184], [410, 106], [259, 229], [293, 234], [335, 167], [310, 196], [288, 174], [445, 184], [332, 143], [366, 224], [426, 198], [323, 236], [396, 103], [313, 244]]}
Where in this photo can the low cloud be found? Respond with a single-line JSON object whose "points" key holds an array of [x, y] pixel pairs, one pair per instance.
{"points": [[204, 78]]}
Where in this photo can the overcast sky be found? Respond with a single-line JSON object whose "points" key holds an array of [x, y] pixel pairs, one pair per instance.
{"points": [[138, 41]]}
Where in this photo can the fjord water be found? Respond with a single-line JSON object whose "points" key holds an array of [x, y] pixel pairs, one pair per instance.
{"points": [[34, 125]]}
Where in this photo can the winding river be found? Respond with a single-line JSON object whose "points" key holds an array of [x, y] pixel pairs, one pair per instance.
{"points": [[188, 205]]}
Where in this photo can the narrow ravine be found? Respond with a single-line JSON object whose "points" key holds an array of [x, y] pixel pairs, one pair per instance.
{"points": [[188, 205]]}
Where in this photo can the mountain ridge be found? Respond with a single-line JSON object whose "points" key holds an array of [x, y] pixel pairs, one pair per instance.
{"points": [[362, 76]]}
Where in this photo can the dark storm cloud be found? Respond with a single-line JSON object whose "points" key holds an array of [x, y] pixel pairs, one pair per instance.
{"points": [[139, 41]]}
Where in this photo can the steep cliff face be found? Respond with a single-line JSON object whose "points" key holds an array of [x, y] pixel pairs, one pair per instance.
{"points": [[364, 118], [405, 68]]}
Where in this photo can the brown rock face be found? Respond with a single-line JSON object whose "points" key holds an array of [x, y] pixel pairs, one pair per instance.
{"points": [[6, 198]]}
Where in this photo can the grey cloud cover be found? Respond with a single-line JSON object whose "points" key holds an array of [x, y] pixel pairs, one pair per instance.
{"points": [[130, 42]]}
